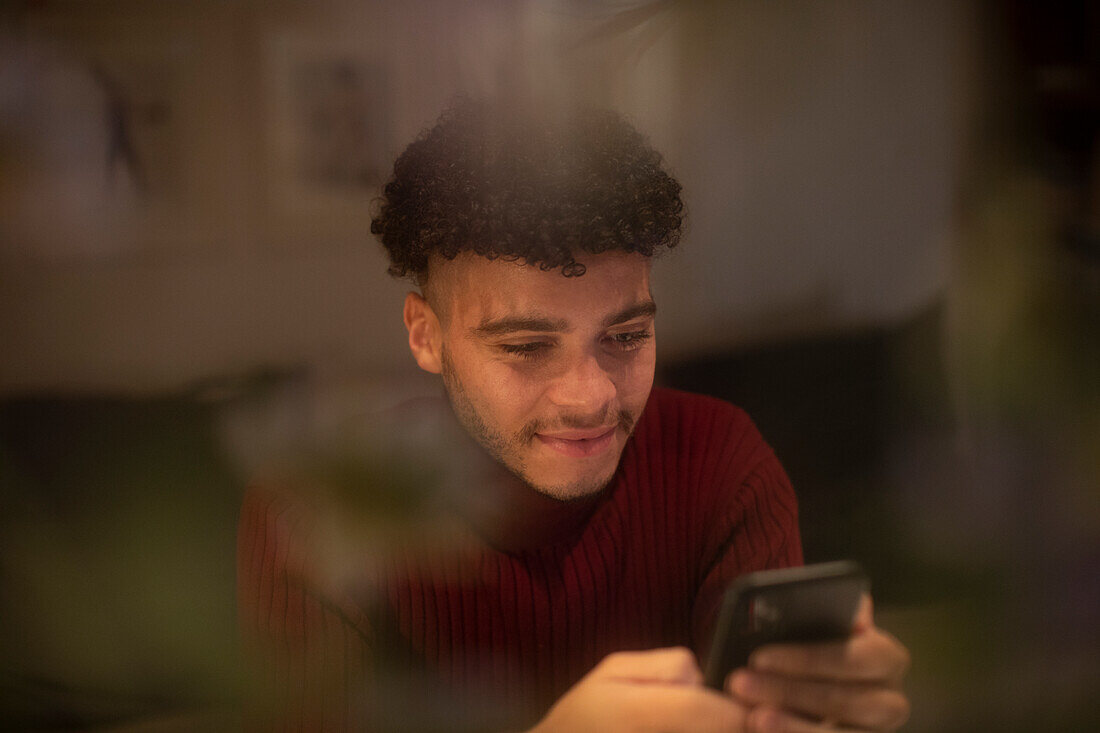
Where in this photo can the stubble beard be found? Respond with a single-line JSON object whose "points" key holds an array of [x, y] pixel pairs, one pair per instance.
{"points": [[507, 451]]}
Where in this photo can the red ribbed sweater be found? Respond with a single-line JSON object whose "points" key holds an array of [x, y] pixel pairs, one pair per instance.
{"points": [[491, 632]]}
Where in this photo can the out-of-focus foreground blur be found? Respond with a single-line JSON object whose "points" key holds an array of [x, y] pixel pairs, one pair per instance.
{"points": [[892, 261]]}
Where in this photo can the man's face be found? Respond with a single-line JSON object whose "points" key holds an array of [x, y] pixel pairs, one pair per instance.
{"points": [[548, 373]]}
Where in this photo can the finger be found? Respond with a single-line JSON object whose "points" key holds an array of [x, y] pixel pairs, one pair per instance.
{"points": [[675, 665], [865, 615], [771, 720], [866, 706], [870, 656], [680, 708]]}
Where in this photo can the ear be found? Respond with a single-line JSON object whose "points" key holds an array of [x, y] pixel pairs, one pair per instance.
{"points": [[425, 333]]}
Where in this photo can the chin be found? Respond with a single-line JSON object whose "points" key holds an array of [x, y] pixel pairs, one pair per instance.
{"points": [[578, 488], [569, 478]]}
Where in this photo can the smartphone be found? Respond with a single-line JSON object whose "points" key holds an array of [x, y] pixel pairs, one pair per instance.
{"points": [[810, 603]]}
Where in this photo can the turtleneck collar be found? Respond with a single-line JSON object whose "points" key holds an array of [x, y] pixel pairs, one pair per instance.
{"points": [[524, 519], [498, 507]]}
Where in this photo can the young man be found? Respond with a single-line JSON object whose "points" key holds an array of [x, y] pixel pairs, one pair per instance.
{"points": [[617, 512]]}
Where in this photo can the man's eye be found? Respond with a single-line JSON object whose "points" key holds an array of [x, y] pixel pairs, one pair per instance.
{"points": [[529, 350], [630, 339]]}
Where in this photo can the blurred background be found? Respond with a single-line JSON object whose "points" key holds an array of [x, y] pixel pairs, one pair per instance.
{"points": [[892, 261]]}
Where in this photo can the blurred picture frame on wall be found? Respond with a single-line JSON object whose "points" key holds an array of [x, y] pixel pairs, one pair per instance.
{"points": [[92, 148], [328, 130]]}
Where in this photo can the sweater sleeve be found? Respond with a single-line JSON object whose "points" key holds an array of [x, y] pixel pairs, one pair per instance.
{"points": [[753, 525], [308, 655]]}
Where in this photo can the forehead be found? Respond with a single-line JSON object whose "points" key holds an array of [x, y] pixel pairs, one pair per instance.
{"points": [[473, 289]]}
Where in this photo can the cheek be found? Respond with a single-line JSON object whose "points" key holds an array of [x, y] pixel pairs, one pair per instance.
{"points": [[637, 377], [506, 393], [519, 388]]}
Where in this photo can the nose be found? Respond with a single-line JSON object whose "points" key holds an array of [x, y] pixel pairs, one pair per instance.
{"points": [[585, 387]]}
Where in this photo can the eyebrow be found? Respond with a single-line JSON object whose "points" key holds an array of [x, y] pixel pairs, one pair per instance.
{"points": [[505, 325], [646, 309], [510, 324]]}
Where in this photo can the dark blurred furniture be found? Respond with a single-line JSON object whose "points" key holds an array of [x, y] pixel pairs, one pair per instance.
{"points": [[117, 534], [832, 407]]}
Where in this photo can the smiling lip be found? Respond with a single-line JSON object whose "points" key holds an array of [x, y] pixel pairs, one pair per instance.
{"points": [[579, 443]]}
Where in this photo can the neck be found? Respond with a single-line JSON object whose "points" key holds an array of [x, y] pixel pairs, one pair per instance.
{"points": [[504, 510]]}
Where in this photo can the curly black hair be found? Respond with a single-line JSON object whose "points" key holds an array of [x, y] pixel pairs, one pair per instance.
{"points": [[522, 183]]}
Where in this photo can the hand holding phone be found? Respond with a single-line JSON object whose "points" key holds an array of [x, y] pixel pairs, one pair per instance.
{"points": [[853, 680], [805, 604]]}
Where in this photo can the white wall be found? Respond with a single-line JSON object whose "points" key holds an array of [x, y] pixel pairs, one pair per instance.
{"points": [[818, 145]]}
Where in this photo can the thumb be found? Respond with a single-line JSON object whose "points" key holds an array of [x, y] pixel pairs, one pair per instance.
{"points": [[675, 665], [865, 615]]}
